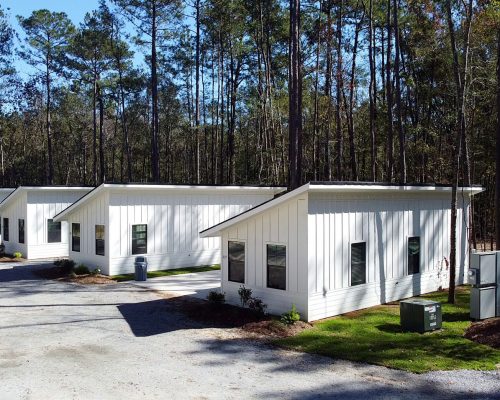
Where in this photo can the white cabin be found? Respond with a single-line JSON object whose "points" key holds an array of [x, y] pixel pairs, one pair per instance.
{"points": [[331, 248], [117, 222], [27, 220]]}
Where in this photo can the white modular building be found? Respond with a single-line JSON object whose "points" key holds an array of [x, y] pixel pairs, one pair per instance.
{"points": [[4, 192], [27, 222], [115, 223], [331, 248]]}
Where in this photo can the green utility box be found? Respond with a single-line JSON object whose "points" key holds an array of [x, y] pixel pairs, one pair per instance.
{"points": [[419, 315]]}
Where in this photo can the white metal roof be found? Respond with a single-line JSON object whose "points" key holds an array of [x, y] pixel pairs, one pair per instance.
{"points": [[22, 189], [164, 188], [336, 187]]}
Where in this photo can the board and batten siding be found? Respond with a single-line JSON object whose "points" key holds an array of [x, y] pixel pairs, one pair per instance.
{"points": [[384, 222], [15, 211], [174, 220], [95, 213], [285, 224]]}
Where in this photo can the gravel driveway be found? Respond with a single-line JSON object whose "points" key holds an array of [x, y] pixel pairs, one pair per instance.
{"points": [[66, 341]]}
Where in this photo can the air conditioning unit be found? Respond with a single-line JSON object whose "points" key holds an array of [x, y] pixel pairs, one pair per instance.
{"points": [[420, 315]]}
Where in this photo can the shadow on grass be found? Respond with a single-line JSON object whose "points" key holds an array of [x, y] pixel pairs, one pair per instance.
{"points": [[390, 328]]}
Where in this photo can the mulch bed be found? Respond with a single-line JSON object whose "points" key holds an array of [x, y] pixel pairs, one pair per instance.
{"points": [[485, 332], [228, 316], [61, 274], [7, 259]]}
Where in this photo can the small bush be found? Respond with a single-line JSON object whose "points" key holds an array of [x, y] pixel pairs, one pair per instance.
{"points": [[81, 270], [2, 249], [290, 317], [245, 295], [66, 265], [256, 304], [17, 254], [215, 296], [96, 271]]}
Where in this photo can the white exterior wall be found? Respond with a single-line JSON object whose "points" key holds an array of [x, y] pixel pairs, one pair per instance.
{"points": [[15, 211], [174, 219], [285, 224], [384, 222], [94, 213], [41, 206]]}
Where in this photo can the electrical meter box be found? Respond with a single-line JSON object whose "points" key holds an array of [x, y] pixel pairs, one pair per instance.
{"points": [[482, 270], [420, 315]]}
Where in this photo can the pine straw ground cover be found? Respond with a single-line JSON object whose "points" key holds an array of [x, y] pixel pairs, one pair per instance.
{"points": [[374, 336]]}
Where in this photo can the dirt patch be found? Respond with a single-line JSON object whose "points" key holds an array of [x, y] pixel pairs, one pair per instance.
{"points": [[275, 329], [250, 323], [485, 332], [61, 274], [88, 279], [7, 259]]}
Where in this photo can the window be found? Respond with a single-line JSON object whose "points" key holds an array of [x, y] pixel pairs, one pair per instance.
{"points": [[413, 255], [236, 261], [139, 239], [6, 229], [53, 231], [99, 240], [358, 263], [21, 230], [75, 237], [276, 266]]}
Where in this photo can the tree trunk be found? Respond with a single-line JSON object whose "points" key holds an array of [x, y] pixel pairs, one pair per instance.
{"points": [[401, 134], [155, 159], [102, 168], [339, 87], [197, 93], [295, 98], [388, 92], [372, 94], [50, 169], [497, 153], [94, 130]]}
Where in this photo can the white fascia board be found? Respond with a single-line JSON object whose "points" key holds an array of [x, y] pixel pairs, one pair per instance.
{"points": [[162, 188], [472, 190]]}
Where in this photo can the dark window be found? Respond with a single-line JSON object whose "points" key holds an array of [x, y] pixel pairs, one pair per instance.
{"points": [[21, 230], [6, 229], [236, 262], [276, 266], [75, 237], [53, 231], [139, 239], [358, 263], [413, 255], [99, 240]]}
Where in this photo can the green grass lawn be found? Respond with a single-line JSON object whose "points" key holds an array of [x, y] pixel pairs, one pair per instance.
{"points": [[168, 272], [374, 336]]}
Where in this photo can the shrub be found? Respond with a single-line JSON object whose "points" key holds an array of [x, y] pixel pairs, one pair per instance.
{"points": [[215, 296], [66, 265], [96, 271], [256, 304], [2, 249], [17, 254], [245, 295], [290, 317], [81, 270]]}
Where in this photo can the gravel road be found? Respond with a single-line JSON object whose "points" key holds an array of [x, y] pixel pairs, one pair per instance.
{"points": [[66, 341]]}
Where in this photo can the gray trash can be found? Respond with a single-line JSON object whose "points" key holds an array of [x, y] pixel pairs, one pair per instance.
{"points": [[141, 268]]}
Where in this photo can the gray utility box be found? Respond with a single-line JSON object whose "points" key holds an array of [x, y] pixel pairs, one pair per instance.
{"points": [[484, 276], [420, 315]]}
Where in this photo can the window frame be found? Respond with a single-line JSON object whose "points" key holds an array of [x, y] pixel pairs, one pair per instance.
{"points": [[73, 237], [103, 240], [267, 265], [6, 234], [132, 239], [408, 255], [19, 230], [244, 260], [350, 262], [51, 221]]}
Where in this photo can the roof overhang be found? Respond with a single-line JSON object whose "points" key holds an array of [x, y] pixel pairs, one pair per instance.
{"points": [[163, 189], [360, 188], [24, 189]]}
